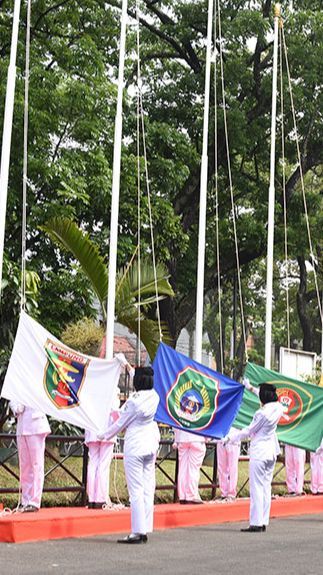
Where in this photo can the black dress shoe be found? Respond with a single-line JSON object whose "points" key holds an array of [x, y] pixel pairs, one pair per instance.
{"points": [[134, 539], [29, 509], [98, 505], [183, 501], [254, 529], [264, 528]]}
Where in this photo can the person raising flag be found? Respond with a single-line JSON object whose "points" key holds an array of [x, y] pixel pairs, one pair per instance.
{"points": [[264, 448]]}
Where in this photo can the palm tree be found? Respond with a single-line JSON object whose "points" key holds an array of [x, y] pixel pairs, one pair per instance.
{"points": [[68, 235]]}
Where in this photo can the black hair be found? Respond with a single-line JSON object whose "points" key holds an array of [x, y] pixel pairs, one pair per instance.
{"points": [[267, 393], [143, 378]]}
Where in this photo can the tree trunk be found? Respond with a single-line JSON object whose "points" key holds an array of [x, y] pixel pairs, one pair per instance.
{"points": [[302, 307]]}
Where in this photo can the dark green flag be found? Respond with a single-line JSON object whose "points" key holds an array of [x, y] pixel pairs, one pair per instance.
{"points": [[304, 403]]}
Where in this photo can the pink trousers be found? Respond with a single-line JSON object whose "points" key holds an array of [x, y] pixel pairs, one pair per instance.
{"points": [[190, 459], [228, 460], [31, 449], [295, 467], [98, 471], [317, 472]]}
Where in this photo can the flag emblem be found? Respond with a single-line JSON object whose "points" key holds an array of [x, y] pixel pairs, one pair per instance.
{"points": [[293, 403], [64, 375], [192, 400], [296, 399]]}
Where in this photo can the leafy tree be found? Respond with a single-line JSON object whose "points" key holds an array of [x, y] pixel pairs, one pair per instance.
{"points": [[74, 60], [130, 294], [9, 315]]}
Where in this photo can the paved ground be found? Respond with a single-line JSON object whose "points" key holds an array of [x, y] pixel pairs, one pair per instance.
{"points": [[292, 546]]}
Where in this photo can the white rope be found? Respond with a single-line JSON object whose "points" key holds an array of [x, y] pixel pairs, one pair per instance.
{"points": [[302, 179], [217, 193], [25, 164], [231, 186], [148, 185], [284, 184], [119, 505]]}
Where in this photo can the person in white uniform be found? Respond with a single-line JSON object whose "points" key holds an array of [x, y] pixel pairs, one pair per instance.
{"points": [[317, 471], [295, 469], [228, 459], [191, 452], [228, 464], [264, 448], [140, 450], [100, 457], [32, 429]]}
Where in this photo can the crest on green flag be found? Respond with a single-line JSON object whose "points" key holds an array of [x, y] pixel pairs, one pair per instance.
{"points": [[192, 399]]}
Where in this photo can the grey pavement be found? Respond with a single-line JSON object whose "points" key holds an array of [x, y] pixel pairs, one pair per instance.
{"points": [[291, 546]]}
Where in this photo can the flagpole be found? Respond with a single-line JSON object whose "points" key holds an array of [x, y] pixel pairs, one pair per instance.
{"points": [[271, 200], [116, 189], [203, 194], [7, 130]]}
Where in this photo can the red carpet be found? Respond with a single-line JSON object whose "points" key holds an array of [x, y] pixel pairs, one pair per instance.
{"points": [[64, 522]]}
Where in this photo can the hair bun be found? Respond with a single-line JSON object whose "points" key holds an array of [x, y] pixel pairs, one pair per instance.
{"points": [[142, 371]]}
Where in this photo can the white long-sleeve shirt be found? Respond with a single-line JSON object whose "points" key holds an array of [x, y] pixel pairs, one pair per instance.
{"points": [[262, 432], [137, 417], [29, 421]]}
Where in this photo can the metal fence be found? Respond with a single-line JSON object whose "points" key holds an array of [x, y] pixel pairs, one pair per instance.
{"points": [[70, 446]]}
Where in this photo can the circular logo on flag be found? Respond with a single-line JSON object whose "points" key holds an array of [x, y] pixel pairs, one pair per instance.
{"points": [[192, 399], [292, 402]]}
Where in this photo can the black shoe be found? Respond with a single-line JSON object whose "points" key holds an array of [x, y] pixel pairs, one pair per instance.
{"points": [[195, 502], [134, 539], [254, 529], [29, 509], [90, 505], [98, 505], [264, 528], [183, 501]]}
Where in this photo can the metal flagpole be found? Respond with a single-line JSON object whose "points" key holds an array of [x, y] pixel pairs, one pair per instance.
{"points": [[271, 199], [7, 129], [203, 195], [116, 189]]}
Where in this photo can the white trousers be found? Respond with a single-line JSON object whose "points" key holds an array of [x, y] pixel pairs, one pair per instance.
{"points": [[295, 467], [317, 472], [228, 461], [31, 450], [141, 482], [261, 474], [98, 471], [190, 459]]}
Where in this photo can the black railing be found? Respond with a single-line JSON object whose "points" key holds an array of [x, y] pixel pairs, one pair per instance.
{"points": [[8, 441], [70, 446]]}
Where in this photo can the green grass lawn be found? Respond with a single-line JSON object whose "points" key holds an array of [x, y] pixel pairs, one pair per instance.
{"points": [[118, 489]]}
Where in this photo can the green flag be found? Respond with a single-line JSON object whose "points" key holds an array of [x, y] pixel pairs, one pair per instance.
{"points": [[304, 403]]}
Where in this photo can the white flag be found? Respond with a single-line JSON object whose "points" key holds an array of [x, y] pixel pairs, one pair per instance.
{"points": [[45, 374]]}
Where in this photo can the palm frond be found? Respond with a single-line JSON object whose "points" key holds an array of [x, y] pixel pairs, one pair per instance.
{"points": [[127, 281], [68, 235]]}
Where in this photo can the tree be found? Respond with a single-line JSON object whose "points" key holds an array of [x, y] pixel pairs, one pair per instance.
{"points": [[130, 294], [10, 306], [72, 106]]}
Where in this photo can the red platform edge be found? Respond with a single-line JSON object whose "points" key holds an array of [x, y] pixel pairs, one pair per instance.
{"points": [[70, 522]]}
